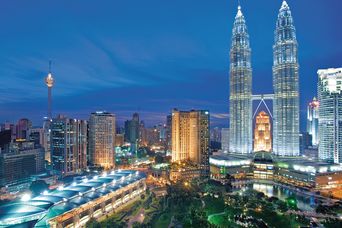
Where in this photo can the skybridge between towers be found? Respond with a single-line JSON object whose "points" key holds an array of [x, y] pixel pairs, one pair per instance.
{"points": [[262, 98]]}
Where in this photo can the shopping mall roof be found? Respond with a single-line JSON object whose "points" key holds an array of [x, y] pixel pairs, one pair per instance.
{"points": [[229, 160], [307, 165], [52, 203]]}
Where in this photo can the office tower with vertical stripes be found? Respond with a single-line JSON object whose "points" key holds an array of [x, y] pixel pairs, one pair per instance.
{"points": [[330, 115], [190, 138], [101, 138], [285, 86], [240, 99]]}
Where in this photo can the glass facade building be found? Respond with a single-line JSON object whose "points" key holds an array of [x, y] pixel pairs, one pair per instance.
{"points": [[68, 145], [330, 115], [312, 121], [285, 86], [225, 140], [240, 99]]}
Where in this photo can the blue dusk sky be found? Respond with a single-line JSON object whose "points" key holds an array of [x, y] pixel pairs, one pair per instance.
{"points": [[149, 56]]}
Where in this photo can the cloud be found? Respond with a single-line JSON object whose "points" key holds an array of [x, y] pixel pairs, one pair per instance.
{"points": [[219, 115]]}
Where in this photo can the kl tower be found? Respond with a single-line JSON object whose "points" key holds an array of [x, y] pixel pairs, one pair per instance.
{"points": [[49, 81]]}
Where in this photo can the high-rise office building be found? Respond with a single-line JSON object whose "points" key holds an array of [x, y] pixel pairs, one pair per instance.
{"points": [[5, 139], [215, 135], [132, 132], [240, 99], [36, 135], [21, 160], [119, 140], [305, 142], [11, 127], [285, 86], [68, 145], [262, 133], [312, 121], [22, 129], [190, 138], [225, 140], [102, 139], [168, 132], [330, 115]]}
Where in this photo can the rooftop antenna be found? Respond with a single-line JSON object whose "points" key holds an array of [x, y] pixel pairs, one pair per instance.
{"points": [[49, 81], [50, 62]]}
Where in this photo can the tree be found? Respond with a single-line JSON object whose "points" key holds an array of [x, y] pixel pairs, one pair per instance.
{"points": [[332, 223], [92, 223], [158, 159], [260, 195], [136, 225], [38, 187], [322, 209], [292, 202], [282, 206]]}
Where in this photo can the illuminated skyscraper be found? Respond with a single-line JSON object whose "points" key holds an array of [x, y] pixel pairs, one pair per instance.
{"points": [[312, 121], [262, 133], [190, 137], [225, 140], [285, 86], [240, 99], [22, 129], [330, 115], [132, 133], [68, 145], [102, 139]]}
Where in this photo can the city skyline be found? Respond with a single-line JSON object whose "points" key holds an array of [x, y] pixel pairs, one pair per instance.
{"points": [[124, 47], [171, 114]]}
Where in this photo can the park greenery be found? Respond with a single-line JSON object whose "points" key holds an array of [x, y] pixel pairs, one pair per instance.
{"points": [[210, 204]]}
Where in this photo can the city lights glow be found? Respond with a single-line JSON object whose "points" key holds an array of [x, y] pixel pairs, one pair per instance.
{"points": [[26, 197], [61, 188], [220, 162]]}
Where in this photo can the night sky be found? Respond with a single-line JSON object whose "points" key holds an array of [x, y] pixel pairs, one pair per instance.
{"points": [[149, 56]]}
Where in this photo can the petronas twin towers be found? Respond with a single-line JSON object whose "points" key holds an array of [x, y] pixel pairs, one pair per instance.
{"points": [[240, 100], [285, 86]]}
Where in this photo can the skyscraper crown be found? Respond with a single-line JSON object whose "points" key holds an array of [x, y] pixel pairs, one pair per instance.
{"points": [[240, 34], [284, 6], [285, 29], [239, 13]]}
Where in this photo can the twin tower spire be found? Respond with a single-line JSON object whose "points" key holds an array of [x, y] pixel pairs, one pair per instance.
{"points": [[285, 86]]}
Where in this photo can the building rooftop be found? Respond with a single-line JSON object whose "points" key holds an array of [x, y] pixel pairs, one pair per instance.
{"points": [[308, 166], [52, 203], [299, 164], [230, 159]]}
